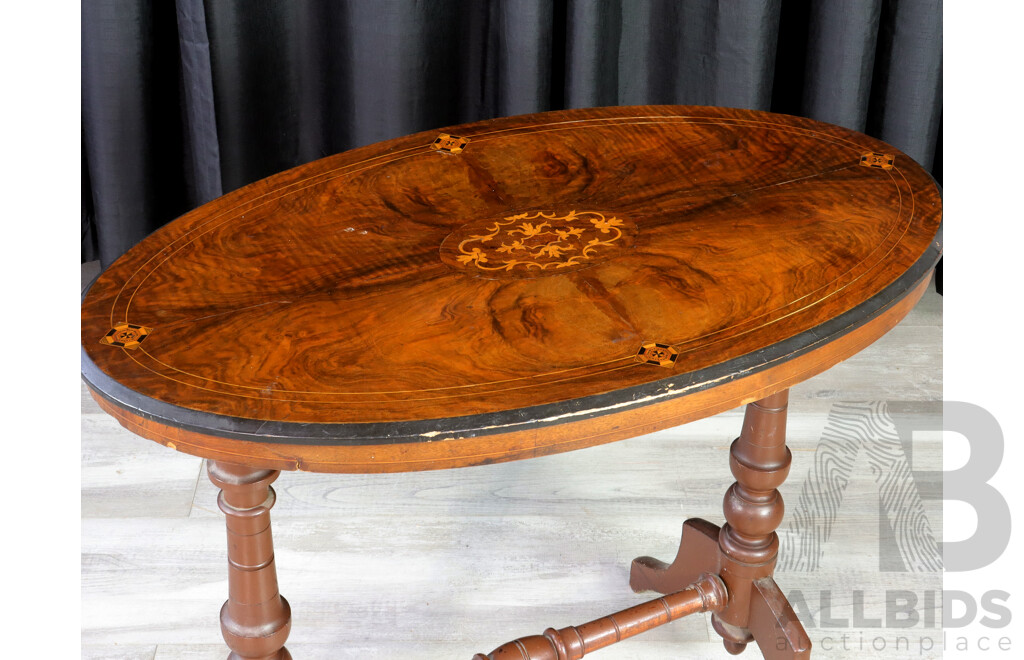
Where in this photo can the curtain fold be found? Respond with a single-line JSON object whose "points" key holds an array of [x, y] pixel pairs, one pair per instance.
{"points": [[182, 102], [745, 41], [593, 33], [131, 122], [906, 97], [202, 145], [841, 42]]}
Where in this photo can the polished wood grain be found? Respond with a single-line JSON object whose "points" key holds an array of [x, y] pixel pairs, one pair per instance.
{"points": [[326, 313], [459, 450]]}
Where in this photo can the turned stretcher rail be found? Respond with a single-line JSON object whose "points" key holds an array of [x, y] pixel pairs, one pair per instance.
{"points": [[706, 594]]}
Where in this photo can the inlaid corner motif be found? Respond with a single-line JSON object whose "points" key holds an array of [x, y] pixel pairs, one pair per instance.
{"points": [[877, 160], [536, 243], [126, 335], [449, 144], [654, 353]]}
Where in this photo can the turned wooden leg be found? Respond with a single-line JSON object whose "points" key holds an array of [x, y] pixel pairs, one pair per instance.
{"points": [[744, 551], [707, 594], [753, 507], [256, 619]]}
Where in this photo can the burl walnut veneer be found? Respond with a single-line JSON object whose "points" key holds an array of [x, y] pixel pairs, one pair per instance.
{"points": [[514, 288]]}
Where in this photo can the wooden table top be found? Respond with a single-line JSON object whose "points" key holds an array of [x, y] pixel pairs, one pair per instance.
{"points": [[510, 288]]}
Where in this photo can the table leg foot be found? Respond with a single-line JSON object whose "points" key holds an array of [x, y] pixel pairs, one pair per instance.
{"points": [[743, 551], [256, 619], [734, 648], [282, 655], [775, 625], [734, 639], [698, 554]]}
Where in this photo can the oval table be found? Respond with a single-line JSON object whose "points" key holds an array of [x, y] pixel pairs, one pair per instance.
{"points": [[513, 288]]}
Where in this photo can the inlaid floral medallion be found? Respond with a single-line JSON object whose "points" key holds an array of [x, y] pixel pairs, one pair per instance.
{"points": [[536, 243]]}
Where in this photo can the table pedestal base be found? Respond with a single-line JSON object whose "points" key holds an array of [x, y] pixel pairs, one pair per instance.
{"points": [[726, 571], [255, 620], [743, 552], [770, 620]]}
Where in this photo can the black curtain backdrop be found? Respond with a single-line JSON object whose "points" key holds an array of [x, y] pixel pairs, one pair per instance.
{"points": [[183, 101]]}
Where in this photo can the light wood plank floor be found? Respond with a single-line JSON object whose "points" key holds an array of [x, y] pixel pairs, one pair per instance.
{"points": [[447, 564]]}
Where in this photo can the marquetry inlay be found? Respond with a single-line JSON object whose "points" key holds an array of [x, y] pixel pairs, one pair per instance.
{"points": [[537, 243], [449, 144], [126, 335], [661, 355], [877, 160]]}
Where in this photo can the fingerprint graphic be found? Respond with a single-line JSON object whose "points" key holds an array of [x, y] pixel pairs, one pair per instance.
{"points": [[851, 429]]}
